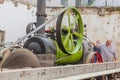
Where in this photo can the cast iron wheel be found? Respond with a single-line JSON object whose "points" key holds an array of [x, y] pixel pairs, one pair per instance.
{"points": [[36, 45], [69, 35], [30, 27]]}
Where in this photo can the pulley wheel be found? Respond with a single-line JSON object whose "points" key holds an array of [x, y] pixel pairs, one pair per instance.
{"points": [[30, 27], [20, 58], [35, 44], [69, 31]]}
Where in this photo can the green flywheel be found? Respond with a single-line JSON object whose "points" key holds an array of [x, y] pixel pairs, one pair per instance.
{"points": [[69, 31]]}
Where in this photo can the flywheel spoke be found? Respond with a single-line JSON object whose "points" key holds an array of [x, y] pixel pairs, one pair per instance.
{"points": [[78, 35], [66, 40], [69, 23], [72, 41], [75, 22]]}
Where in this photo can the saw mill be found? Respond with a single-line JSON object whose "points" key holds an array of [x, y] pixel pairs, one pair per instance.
{"points": [[59, 39]]}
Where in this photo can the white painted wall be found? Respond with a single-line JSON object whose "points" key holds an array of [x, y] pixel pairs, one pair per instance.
{"points": [[15, 19]]}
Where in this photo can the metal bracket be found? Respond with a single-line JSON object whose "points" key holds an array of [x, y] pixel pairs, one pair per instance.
{"points": [[43, 14]]}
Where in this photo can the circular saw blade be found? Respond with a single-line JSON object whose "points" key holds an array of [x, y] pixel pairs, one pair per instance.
{"points": [[20, 58]]}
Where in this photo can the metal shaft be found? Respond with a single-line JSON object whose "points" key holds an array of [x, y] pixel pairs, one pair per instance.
{"points": [[41, 15]]}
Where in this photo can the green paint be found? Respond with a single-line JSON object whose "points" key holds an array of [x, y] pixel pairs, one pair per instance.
{"points": [[71, 44]]}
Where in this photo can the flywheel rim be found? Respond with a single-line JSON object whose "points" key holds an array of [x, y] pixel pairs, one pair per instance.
{"points": [[78, 34]]}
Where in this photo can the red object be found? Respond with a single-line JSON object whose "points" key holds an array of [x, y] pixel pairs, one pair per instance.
{"points": [[98, 58], [47, 31]]}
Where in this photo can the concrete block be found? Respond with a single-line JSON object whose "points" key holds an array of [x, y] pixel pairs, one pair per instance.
{"points": [[99, 67], [117, 64], [49, 73], [110, 65]]}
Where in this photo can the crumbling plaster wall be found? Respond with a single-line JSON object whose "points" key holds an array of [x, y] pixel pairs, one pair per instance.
{"points": [[102, 23]]}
